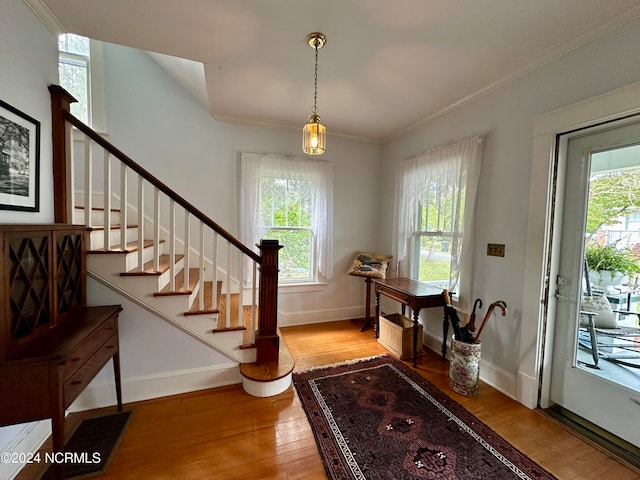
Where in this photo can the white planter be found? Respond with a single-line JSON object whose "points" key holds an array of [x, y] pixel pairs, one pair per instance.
{"points": [[605, 278]]}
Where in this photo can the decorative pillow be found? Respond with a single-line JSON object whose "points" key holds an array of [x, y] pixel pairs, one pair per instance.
{"points": [[605, 317], [370, 265]]}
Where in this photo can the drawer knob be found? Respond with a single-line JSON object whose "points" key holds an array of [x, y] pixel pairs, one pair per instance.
{"points": [[76, 382]]}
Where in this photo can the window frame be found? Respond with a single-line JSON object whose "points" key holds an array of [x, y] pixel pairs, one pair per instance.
{"points": [[93, 62], [255, 167]]}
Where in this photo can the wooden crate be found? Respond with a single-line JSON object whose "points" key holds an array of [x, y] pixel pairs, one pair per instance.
{"points": [[396, 335]]}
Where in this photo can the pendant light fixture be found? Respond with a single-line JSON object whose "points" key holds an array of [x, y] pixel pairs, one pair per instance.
{"points": [[314, 134]]}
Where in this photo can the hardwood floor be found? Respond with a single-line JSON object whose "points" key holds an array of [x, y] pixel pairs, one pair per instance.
{"points": [[226, 434]]}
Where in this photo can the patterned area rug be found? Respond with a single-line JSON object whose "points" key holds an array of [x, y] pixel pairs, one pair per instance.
{"points": [[378, 419]]}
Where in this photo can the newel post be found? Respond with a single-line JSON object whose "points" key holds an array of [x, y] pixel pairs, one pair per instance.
{"points": [[267, 340], [61, 101]]}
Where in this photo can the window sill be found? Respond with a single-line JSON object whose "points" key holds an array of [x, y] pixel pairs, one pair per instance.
{"points": [[301, 287]]}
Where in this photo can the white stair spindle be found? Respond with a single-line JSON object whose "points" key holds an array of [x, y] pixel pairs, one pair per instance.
{"points": [[172, 245], [214, 272], [240, 267], [88, 191], [187, 248], [106, 200], [71, 176], [123, 206], [140, 223], [201, 268], [156, 229], [227, 319]]}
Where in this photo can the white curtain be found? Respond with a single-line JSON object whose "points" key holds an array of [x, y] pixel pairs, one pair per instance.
{"points": [[253, 166], [458, 166]]}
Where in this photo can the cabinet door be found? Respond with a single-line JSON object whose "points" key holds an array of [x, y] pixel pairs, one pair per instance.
{"points": [[28, 270], [70, 272]]}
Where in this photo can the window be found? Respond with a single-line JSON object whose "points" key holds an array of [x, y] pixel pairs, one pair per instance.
{"points": [[75, 73], [436, 196], [290, 199]]}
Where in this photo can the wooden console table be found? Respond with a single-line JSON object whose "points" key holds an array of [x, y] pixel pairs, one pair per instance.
{"points": [[51, 343], [409, 293]]}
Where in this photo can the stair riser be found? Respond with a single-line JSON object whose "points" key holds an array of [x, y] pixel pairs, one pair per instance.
{"points": [[96, 237], [97, 217]]}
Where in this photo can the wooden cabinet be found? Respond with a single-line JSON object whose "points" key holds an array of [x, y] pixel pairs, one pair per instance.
{"points": [[51, 343]]}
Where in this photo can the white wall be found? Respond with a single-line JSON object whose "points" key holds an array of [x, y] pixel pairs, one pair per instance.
{"points": [[29, 63], [506, 117]]}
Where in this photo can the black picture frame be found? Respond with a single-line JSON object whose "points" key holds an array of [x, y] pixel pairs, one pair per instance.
{"points": [[19, 160]]}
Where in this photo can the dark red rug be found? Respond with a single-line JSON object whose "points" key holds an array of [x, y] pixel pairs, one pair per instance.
{"points": [[378, 419]]}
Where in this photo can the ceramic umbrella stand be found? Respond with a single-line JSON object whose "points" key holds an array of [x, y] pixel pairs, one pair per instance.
{"points": [[464, 367]]}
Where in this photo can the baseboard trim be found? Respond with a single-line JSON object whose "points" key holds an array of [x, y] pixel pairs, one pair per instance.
{"points": [[489, 374], [159, 385], [306, 317], [28, 440]]}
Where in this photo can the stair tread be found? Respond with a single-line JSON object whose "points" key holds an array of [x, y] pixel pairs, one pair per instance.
{"points": [[97, 209], [129, 248], [96, 228], [164, 264], [208, 300]]}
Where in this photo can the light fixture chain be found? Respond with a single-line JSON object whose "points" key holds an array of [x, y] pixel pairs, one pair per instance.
{"points": [[315, 82]]}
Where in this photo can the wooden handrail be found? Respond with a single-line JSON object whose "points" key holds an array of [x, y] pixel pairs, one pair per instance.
{"points": [[160, 186]]}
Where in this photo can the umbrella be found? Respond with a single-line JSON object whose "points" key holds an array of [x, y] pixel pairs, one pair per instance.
{"points": [[470, 327], [461, 334], [503, 306]]}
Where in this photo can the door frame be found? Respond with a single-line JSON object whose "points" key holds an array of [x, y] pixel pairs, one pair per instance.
{"points": [[538, 306]]}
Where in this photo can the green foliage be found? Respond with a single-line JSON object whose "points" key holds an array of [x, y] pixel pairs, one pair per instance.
{"points": [[434, 271], [611, 196], [608, 257], [284, 208]]}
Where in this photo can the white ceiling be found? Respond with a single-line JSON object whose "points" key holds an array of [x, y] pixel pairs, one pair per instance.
{"points": [[387, 65]]}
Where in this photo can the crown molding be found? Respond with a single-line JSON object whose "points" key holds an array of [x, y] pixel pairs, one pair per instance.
{"points": [[46, 16]]}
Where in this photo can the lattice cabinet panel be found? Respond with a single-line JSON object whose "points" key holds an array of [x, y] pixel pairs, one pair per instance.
{"points": [[29, 292], [42, 275], [70, 272]]}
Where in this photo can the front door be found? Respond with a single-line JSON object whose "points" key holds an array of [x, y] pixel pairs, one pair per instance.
{"points": [[593, 387]]}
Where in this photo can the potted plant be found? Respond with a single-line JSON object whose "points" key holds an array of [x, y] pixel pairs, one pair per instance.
{"points": [[610, 266]]}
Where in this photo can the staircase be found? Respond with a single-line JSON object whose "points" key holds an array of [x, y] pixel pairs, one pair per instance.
{"points": [[153, 247]]}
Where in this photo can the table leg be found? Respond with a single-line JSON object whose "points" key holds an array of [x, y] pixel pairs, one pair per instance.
{"points": [[416, 317], [367, 307], [445, 334], [377, 323], [116, 374]]}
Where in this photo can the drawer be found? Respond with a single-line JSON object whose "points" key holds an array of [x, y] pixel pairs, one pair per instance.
{"points": [[88, 347], [399, 296], [83, 375]]}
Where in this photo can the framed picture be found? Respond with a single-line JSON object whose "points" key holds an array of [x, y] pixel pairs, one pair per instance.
{"points": [[19, 160]]}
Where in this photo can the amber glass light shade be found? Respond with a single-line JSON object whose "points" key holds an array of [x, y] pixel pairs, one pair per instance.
{"points": [[314, 136]]}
